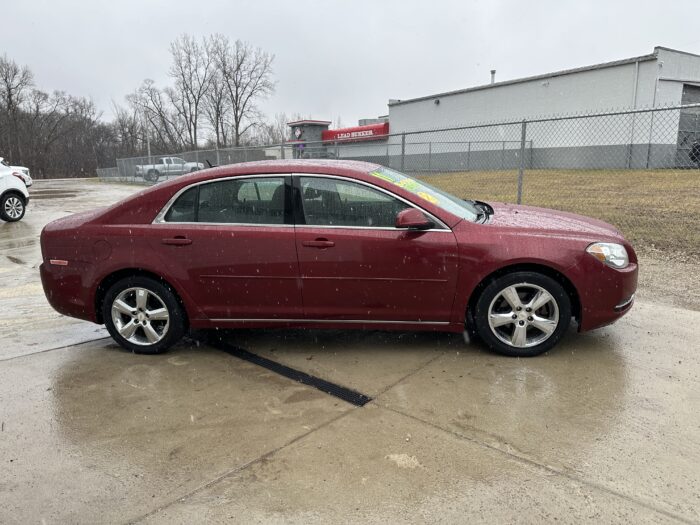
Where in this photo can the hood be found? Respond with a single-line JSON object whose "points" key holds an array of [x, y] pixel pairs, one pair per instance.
{"points": [[546, 221]]}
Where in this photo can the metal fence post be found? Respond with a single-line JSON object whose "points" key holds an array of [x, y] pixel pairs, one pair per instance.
{"points": [[521, 168], [469, 153], [430, 156], [403, 151]]}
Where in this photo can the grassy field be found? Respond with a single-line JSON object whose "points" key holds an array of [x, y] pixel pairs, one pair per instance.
{"points": [[655, 209]]}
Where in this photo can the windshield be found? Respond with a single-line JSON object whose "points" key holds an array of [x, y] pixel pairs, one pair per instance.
{"points": [[4, 163], [449, 203]]}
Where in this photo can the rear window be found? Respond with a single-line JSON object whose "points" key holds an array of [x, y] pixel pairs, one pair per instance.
{"points": [[183, 209], [241, 201]]}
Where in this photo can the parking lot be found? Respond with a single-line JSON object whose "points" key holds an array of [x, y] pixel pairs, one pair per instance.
{"points": [[604, 428]]}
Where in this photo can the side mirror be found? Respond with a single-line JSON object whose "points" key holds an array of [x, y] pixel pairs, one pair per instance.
{"points": [[413, 219]]}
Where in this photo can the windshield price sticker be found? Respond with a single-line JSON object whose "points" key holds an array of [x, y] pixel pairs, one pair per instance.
{"points": [[408, 184]]}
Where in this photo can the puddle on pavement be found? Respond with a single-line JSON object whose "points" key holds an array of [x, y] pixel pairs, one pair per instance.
{"points": [[573, 398], [45, 196]]}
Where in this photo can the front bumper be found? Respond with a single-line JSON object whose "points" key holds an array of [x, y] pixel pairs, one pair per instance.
{"points": [[606, 294]]}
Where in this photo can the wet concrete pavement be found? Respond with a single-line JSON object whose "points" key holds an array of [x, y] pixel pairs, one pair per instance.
{"points": [[604, 428]]}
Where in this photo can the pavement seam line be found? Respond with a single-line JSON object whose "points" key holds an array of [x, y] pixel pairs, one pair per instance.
{"points": [[411, 373], [546, 468], [53, 349], [252, 462], [240, 468]]}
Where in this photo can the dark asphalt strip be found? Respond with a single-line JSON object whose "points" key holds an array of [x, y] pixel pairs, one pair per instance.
{"points": [[346, 394]]}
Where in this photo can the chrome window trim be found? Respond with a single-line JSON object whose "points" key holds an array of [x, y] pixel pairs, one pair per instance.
{"points": [[437, 221], [380, 228], [160, 218], [252, 224]]}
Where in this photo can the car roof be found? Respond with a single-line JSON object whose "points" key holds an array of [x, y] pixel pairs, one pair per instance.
{"points": [[136, 208], [329, 167], [294, 166]]}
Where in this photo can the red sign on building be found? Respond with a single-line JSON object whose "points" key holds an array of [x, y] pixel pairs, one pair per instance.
{"points": [[357, 133]]}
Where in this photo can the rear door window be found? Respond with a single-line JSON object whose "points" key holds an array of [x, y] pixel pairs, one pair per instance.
{"points": [[232, 201]]}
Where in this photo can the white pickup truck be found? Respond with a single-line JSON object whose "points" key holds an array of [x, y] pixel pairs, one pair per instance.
{"points": [[166, 166]]}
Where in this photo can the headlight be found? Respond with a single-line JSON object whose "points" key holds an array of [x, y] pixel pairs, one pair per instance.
{"points": [[614, 255]]}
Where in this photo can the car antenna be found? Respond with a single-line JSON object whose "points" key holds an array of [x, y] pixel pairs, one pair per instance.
{"points": [[210, 164]]}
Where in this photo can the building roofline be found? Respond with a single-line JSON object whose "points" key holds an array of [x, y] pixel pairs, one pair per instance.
{"points": [[308, 121], [675, 51], [603, 65]]}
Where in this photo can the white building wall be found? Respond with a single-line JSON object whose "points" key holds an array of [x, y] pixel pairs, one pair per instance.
{"points": [[573, 93], [590, 91], [678, 65], [638, 140]]}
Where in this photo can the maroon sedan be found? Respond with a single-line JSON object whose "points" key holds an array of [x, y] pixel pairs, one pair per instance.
{"points": [[331, 244]]}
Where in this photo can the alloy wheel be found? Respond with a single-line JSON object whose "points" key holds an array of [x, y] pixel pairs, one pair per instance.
{"points": [[523, 315], [140, 316], [14, 207]]}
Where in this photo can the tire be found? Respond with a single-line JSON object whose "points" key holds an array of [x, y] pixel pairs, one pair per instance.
{"points": [[193, 170], [148, 327], [152, 175], [531, 332], [12, 207]]}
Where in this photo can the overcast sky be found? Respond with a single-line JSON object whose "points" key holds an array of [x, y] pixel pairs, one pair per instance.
{"points": [[338, 58]]}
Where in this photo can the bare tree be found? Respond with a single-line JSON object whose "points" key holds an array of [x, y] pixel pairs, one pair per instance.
{"points": [[56, 134], [161, 119], [217, 110], [128, 129], [246, 73], [276, 129], [15, 82], [192, 70]]}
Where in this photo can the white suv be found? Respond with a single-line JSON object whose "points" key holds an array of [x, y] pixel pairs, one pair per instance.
{"points": [[21, 171], [13, 195]]}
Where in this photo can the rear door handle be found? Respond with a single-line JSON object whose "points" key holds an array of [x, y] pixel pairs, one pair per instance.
{"points": [[318, 243], [177, 241]]}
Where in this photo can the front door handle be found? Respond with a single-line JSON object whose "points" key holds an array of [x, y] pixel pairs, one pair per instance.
{"points": [[318, 243], [177, 241]]}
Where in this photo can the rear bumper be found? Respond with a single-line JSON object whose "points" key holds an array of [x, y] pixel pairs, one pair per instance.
{"points": [[65, 291], [606, 294]]}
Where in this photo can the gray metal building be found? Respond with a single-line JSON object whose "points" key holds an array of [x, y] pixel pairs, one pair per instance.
{"points": [[666, 77], [657, 79]]}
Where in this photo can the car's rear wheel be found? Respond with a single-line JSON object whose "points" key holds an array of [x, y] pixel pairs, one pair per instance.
{"points": [[143, 315], [152, 175], [522, 314], [12, 207]]}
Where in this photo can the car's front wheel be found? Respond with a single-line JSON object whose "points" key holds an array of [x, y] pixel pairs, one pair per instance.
{"points": [[12, 207], [143, 315], [522, 314]]}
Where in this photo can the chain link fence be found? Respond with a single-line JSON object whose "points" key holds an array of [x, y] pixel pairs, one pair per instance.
{"points": [[637, 169]]}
